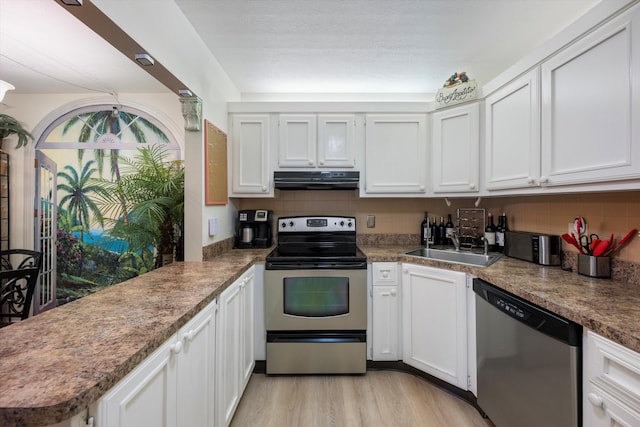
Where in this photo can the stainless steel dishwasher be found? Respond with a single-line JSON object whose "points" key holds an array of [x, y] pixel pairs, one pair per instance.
{"points": [[528, 361]]}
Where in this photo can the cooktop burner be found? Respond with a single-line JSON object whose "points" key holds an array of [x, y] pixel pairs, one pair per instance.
{"points": [[316, 242]]}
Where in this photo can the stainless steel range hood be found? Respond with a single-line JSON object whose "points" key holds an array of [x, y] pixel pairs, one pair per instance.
{"points": [[316, 180]]}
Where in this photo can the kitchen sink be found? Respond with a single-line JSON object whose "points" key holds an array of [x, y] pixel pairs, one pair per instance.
{"points": [[459, 257]]}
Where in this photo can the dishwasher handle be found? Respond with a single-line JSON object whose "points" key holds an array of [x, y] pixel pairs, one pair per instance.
{"points": [[529, 314]]}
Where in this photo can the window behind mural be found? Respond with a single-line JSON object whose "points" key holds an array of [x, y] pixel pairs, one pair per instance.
{"points": [[120, 191]]}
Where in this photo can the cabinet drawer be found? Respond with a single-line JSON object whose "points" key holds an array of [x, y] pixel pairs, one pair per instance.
{"points": [[612, 367], [385, 273]]}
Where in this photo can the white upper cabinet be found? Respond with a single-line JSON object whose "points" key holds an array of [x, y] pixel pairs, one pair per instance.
{"points": [[323, 140], [250, 171], [336, 140], [512, 134], [589, 92], [297, 146], [395, 154], [456, 146]]}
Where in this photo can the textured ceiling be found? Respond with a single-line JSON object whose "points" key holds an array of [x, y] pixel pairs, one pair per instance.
{"points": [[301, 46], [403, 46]]}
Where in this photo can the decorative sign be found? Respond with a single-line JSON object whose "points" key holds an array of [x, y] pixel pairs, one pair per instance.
{"points": [[457, 89]]}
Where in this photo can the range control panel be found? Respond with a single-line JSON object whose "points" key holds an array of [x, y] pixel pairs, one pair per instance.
{"points": [[313, 224]]}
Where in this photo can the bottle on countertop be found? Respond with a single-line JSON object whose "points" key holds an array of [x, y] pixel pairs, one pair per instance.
{"points": [[500, 230], [448, 229], [435, 240], [490, 232], [442, 232], [424, 230]]}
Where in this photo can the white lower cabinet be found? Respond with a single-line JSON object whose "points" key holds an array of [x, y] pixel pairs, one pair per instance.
{"points": [[172, 387], [235, 358], [611, 383], [385, 335], [434, 322]]}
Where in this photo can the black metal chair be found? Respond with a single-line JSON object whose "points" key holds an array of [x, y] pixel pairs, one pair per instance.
{"points": [[19, 270], [15, 259]]}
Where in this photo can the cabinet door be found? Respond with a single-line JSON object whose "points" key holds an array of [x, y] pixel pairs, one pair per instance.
{"points": [[386, 305], [434, 322], [589, 92], [336, 141], [247, 285], [297, 140], [147, 396], [456, 148], [250, 155], [396, 154], [195, 370], [229, 355], [512, 134]]}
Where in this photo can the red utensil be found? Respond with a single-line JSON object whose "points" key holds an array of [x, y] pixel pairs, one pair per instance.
{"points": [[600, 248], [622, 241], [572, 241]]}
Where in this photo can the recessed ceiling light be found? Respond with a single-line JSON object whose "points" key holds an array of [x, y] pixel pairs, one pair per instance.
{"points": [[144, 59], [72, 2]]}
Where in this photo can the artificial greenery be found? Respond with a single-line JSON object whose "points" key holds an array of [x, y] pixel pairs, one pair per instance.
{"points": [[147, 203], [10, 126]]}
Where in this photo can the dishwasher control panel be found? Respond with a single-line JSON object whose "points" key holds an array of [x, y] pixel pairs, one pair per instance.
{"points": [[508, 307]]}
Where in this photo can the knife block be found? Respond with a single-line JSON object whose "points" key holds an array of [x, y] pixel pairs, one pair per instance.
{"points": [[594, 266]]}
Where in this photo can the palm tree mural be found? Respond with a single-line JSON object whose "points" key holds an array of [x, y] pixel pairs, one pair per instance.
{"points": [[78, 201], [112, 122]]}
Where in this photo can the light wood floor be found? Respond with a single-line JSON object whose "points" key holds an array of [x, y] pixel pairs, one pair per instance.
{"points": [[377, 399]]}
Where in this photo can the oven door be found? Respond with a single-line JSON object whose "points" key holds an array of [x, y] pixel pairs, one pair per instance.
{"points": [[315, 300]]}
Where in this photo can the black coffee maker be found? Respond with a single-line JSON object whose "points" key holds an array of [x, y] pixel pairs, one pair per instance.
{"points": [[253, 229]]}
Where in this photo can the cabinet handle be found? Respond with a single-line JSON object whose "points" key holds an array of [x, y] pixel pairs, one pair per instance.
{"points": [[310, 162], [385, 274], [544, 180], [595, 400], [176, 348], [189, 335], [264, 189], [472, 186], [384, 294], [321, 162], [531, 181], [394, 293], [422, 188]]}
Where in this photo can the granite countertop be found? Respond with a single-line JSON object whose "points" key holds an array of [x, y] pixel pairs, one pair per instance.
{"points": [[56, 364]]}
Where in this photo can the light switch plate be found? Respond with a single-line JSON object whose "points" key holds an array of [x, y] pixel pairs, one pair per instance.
{"points": [[213, 226]]}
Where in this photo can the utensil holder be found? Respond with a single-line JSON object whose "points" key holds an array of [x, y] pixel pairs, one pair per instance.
{"points": [[594, 266]]}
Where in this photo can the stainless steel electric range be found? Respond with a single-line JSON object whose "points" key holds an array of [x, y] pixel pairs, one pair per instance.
{"points": [[316, 298]]}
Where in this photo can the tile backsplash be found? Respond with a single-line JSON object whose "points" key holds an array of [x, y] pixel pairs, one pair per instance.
{"points": [[605, 213]]}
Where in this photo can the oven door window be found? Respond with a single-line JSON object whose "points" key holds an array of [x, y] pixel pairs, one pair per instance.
{"points": [[316, 296]]}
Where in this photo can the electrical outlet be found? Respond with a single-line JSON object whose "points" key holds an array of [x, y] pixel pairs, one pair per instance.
{"points": [[371, 221]]}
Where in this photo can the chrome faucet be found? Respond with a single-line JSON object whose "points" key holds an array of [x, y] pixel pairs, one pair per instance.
{"points": [[455, 238], [486, 245]]}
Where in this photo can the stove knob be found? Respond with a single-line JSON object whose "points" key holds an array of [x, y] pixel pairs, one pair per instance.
{"points": [[283, 225], [341, 223], [290, 223], [349, 224]]}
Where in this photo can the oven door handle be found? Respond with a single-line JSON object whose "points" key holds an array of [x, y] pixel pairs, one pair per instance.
{"points": [[314, 266], [317, 337]]}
